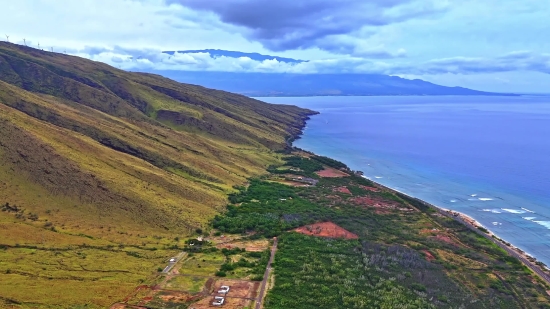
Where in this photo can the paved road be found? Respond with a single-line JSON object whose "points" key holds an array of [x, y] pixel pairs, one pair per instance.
{"points": [[266, 274], [171, 264]]}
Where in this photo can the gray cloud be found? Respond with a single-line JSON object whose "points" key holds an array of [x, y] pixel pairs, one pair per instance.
{"points": [[346, 45], [294, 24]]}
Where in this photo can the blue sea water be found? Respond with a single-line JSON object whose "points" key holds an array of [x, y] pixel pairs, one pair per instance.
{"points": [[487, 157]]}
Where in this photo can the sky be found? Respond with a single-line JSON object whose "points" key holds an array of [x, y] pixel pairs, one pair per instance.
{"points": [[492, 45]]}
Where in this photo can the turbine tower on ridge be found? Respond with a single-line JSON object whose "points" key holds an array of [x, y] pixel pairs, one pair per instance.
{"points": [[7, 38]]}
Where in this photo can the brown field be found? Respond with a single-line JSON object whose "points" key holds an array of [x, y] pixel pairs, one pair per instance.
{"points": [[252, 245], [230, 303], [326, 229], [239, 288], [240, 295], [331, 173]]}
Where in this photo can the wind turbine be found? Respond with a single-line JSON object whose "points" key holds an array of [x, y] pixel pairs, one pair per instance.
{"points": [[38, 45], [7, 38], [25, 42]]}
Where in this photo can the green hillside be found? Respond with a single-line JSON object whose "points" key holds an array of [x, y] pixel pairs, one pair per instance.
{"points": [[101, 170]]}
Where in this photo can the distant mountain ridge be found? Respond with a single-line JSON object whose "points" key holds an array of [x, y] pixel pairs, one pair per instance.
{"points": [[215, 53], [342, 84], [292, 84]]}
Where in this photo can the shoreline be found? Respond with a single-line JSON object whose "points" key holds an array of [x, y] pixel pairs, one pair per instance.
{"points": [[539, 268]]}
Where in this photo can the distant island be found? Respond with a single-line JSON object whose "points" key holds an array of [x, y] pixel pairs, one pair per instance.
{"points": [[292, 84]]}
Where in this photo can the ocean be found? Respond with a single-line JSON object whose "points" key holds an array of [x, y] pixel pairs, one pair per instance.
{"points": [[487, 157]]}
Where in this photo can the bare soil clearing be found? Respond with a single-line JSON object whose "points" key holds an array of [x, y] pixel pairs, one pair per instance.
{"points": [[254, 245], [239, 288], [429, 256], [326, 229], [343, 190], [331, 173]]}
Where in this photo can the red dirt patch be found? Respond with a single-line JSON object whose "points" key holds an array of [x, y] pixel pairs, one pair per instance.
{"points": [[331, 173], [372, 189], [326, 229], [250, 245], [239, 288], [445, 238], [429, 256], [342, 190]]}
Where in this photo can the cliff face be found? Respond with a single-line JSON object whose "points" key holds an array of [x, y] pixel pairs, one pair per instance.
{"points": [[129, 146]]}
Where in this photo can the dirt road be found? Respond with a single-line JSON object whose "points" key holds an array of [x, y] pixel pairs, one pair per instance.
{"points": [[266, 274]]}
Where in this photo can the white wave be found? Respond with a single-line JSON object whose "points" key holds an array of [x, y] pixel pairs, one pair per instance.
{"points": [[485, 199], [546, 224], [378, 177], [474, 195], [529, 218], [495, 211], [528, 210], [453, 201], [497, 223], [514, 211]]}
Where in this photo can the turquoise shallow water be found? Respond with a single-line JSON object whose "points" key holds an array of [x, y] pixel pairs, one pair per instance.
{"points": [[488, 157]]}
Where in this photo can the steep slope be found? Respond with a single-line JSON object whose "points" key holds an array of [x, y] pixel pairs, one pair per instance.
{"points": [[95, 161]]}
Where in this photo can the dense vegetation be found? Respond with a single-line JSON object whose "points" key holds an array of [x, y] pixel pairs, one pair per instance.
{"points": [[268, 209], [407, 256], [329, 273]]}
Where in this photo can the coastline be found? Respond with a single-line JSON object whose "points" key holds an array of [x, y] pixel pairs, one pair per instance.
{"points": [[539, 268]]}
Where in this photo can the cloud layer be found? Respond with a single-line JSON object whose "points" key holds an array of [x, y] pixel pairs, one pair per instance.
{"points": [[294, 24], [132, 59]]}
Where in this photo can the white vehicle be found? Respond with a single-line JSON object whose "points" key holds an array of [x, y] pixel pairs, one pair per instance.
{"points": [[218, 301], [172, 260], [223, 289]]}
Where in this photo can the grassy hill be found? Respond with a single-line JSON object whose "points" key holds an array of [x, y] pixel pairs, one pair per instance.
{"points": [[101, 170]]}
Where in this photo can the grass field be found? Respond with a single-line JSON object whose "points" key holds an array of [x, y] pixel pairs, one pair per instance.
{"points": [[102, 171], [189, 284], [202, 264]]}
